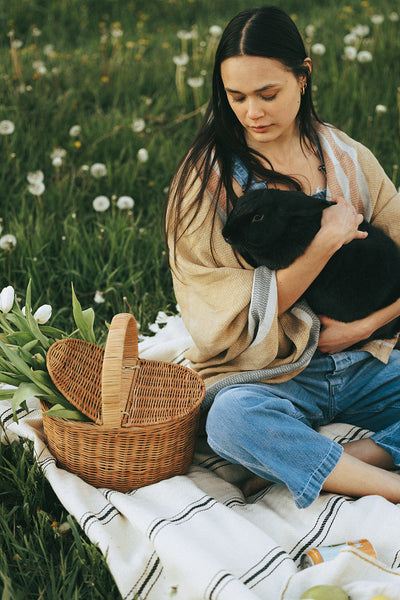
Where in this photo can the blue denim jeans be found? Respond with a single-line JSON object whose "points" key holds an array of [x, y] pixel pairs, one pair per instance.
{"points": [[270, 428]]}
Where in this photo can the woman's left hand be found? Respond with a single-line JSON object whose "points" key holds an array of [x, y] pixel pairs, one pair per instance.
{"points": [[336, 336]]}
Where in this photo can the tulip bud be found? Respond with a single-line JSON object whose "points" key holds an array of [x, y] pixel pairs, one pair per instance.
{"points": [[43, 314], [6, 299]]}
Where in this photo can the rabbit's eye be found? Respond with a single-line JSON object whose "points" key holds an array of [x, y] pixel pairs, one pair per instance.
{"points": [[257, 218]]}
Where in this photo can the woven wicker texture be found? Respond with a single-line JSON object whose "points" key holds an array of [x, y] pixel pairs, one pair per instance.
{"points": [[145, 412]]}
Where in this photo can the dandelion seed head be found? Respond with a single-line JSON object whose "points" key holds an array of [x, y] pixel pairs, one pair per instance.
{"points": [[361, 31], [142, 155], [98, 297], [195, 82], [75, 131], [36, 189], [380, 109], [117, 32], [351, 39], [39, 67], [101, 203], [310, 30], [377, 19], [98, 170], [125, 202], [138, 125], [57, 162], [36, 32], [181, 60], [58, 152], [8, 241], [35, 177], [318, 49], [215, 31], [394, 17], [6, 127], [17, 44], [350, 53], [184, 35], [364, 56]]}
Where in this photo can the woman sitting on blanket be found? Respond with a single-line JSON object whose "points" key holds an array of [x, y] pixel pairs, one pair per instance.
{"points": [[275, 376]]}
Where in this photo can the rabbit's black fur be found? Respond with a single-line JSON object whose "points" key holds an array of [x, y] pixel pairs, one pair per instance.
{"points": [[273, 227]]}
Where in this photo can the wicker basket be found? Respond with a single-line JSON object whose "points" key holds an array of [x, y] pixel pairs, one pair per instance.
{"points": [[145, 412]]}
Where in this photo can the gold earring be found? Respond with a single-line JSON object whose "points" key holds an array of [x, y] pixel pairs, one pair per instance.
{"points": [[303, 89]]}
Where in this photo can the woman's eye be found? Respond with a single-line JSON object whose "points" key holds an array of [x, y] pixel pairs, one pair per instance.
{"points": [[237, 99], [257, 218], [269, 98]]}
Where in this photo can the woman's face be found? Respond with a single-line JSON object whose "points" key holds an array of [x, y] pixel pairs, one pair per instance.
{"points": [[265, 97]]}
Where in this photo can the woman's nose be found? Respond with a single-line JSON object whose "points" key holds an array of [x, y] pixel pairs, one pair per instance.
{"points": [[254, 110]]}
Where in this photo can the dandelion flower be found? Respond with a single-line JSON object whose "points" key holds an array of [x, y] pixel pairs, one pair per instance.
{"points": [[98, 170], [48, 50], [377, 19], [215, 30], [351, 39], [8, 241], [84, 169], [36, 32], [138, 125], [364, 56], [17, 44], [43, 314], [310, 30], [380, 109], [318, 49], [125, 203], [98, 297], [143, 155], [181, 60], [35, 177], [7, 299], [394, 17], [36, 189], [360, 30], [184, 35], [350, 53], [101, 203], [6, 127], [58, 152], [75, 131], [195, 82], [57, 162], [117, 32]]}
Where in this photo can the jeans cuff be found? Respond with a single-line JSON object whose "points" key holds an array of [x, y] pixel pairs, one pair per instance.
{"points": [[314, 485]]}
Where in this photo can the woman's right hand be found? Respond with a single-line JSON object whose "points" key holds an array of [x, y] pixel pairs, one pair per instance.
{"points": [[340, 222]]}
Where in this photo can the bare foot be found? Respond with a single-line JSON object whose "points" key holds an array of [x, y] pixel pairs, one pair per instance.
{"points": [[254, 485]]}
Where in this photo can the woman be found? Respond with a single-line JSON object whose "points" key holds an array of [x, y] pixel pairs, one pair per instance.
{"points": [[255, 341]]}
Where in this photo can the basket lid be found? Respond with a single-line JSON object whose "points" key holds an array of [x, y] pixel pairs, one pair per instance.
{"points": [[114, 388]]}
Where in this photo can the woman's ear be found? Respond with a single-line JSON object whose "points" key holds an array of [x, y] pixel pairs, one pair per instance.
{"points": [[308, 63]]}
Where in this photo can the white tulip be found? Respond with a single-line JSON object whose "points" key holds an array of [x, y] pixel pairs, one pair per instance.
{"points": [[7, 299], [43, 314]]}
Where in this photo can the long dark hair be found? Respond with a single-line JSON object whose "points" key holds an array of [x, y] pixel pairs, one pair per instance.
{"points": [[267, 32]]}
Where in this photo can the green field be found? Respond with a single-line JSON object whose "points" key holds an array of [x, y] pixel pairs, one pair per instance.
{"points": [[98, 79]]}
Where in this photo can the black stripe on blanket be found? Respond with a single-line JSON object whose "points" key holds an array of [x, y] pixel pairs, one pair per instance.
{"points": [[217, 584], [143, 586], [104, 516], [321, 528], [212, 463], [201, 505], [355, 433], [8, 414], [396, 560], [267, 565]]}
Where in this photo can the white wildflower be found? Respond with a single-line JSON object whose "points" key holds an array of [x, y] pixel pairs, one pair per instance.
{"points": [[8, 241], [318, 49], [6, 127], [43, 314], [58, 152], [35, 177], [138, 125], [364, 56], [7, 299], [143, 155], [215, 30], [98, 297], [98, 170], [36, 189], [181, 60], [75, 131], [39, 67], [57, 162], [377, 19], [350, 53], [394, 17], [125, 202], [351, 39], [360, 30], [380, 109], [101, 203], [195, 82]]}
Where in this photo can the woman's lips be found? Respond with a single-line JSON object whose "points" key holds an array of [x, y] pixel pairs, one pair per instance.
{"points": [[260, 128]]}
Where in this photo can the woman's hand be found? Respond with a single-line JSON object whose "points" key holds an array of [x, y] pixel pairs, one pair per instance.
{"points": [[336, 336], [340, 222]]}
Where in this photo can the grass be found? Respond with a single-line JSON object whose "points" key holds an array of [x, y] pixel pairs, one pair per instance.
{"points": [[91, 76]]}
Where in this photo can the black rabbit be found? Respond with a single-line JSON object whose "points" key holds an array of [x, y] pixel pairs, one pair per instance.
{"points": [[273, 227]]}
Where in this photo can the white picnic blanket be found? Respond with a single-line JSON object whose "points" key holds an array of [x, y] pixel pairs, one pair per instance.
{"points": [[195, 537]]}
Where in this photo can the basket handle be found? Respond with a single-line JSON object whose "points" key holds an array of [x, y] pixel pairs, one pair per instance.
{"points": [[119, 368]]}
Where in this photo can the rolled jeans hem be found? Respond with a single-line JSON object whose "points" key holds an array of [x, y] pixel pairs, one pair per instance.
{"points": [[314, 485]]}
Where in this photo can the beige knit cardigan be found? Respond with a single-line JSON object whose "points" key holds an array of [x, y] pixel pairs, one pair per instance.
{"points": [[231, 312]]}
